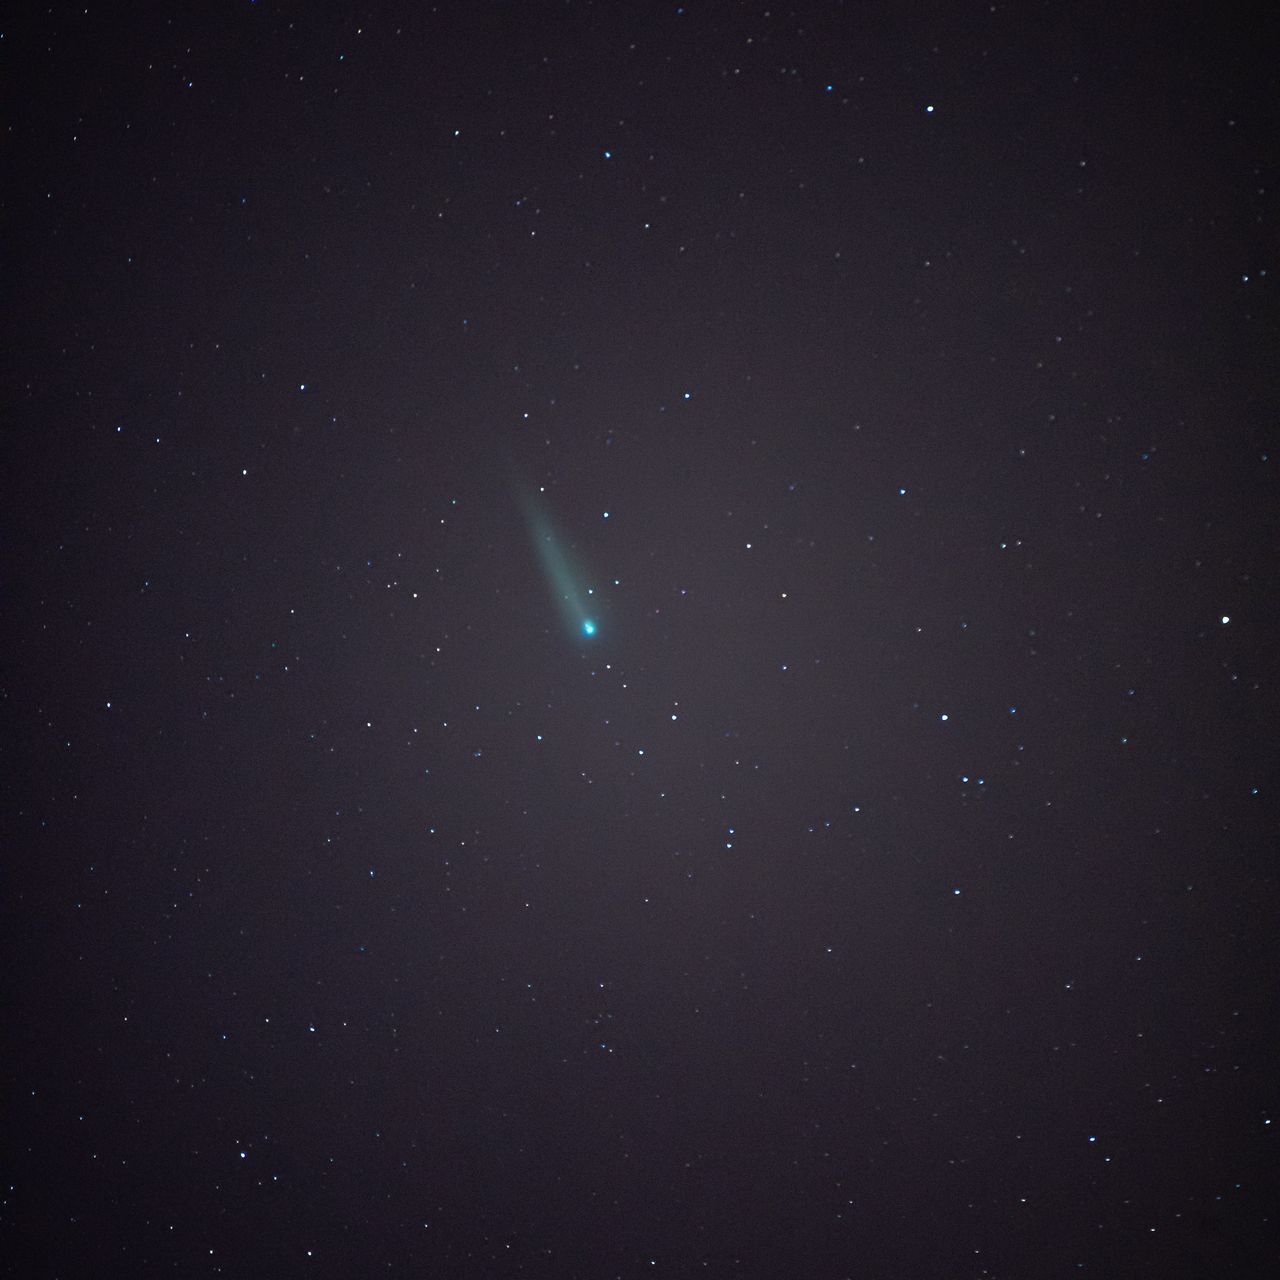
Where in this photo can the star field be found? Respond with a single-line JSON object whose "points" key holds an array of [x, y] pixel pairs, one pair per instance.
{"points": [[641, 641]]}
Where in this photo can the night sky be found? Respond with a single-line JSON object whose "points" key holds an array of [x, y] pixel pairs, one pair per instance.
{"points": [[641, 640]]}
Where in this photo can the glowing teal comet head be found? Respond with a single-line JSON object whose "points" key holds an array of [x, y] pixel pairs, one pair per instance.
{"points": [[588, 627]]}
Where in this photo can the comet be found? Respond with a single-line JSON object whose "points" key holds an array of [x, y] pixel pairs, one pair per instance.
{"points": [[562, 576]]}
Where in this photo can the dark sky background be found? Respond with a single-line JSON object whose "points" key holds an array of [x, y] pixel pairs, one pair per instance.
{"points": [[888, 887]]}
